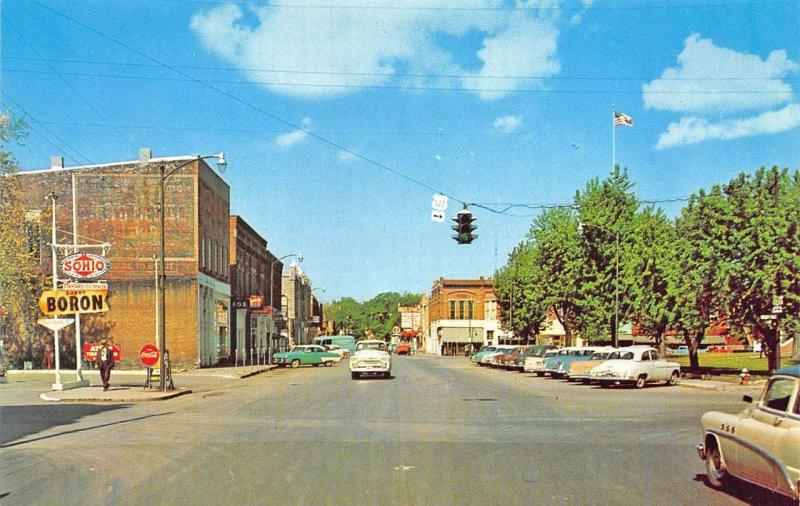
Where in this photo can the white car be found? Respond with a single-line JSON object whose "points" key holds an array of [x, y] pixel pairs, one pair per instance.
{"points": [[499, 350], [536, 364], [371, 357], [645, 366]]}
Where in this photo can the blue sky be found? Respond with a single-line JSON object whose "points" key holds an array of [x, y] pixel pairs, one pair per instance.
{"points": [[485, 100]]}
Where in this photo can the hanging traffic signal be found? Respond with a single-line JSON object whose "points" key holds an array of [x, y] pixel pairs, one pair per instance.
{"points": [[464, 227]]}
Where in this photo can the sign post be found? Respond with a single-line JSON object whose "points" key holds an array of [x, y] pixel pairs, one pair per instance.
{"points": [[149, 356]]}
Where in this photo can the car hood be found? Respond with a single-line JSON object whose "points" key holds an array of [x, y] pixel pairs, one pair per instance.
{"points": [[371, 354]]}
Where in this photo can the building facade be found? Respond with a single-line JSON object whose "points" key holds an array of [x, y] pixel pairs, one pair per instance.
{"points": [[296, 305], [462, 315], [254, 333], [118, 203]]}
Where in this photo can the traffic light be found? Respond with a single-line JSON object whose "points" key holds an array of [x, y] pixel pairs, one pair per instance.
{"points": [[464, 227]]}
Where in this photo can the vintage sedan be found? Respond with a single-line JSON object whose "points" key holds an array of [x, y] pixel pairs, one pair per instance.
{"points": [[646, 366], [487, 358], [530, 351], [580, 369], [761, 444], [536, 363], [557, 366], [476, 358], [310, 354]]}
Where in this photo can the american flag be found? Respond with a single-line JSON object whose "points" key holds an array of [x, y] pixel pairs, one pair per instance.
{"points": [[620, 118]]}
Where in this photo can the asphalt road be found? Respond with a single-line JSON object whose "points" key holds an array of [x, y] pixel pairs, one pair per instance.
{"points": [[440, 431]]}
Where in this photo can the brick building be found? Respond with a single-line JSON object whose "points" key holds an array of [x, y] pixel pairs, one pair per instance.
{"points": [[118, 203], [296, 305], [461, 313], [254, 333]]}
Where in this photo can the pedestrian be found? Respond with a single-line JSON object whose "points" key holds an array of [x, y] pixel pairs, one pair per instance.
{"points": [[105, 361], [48, 357]]}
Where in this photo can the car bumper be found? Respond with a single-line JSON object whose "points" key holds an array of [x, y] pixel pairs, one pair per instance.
{"points": [[701, 451], [367, 368]]}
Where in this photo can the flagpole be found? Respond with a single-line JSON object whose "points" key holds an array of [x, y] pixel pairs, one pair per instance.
{"points": [[613, 139]]}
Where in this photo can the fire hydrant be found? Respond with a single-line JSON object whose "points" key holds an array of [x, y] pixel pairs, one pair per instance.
{"points": [[744, 377]]}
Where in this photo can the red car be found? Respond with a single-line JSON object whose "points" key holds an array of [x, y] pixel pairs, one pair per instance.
{"points": [[402, 349]]}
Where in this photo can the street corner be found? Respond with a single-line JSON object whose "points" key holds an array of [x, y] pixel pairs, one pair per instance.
{"points": [[113, 394], [720, 386]]}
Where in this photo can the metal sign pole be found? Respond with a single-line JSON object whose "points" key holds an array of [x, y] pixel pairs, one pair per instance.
{"points": [[57, 385]]}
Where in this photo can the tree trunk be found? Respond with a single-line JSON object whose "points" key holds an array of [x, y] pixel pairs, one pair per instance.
{"points": [[773, 346], [694, 362]]}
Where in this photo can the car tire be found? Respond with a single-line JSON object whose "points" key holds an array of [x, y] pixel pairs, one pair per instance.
{"points": [[586, 381], [641, 381], [540, 374], [315, 365], [295, 363], [715, 471], [355, 375], [673, 380], [605, 384], [329, 363]]}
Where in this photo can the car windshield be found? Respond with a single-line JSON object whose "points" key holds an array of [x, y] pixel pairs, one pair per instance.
{"points": [[600, 355], [373, 345]]}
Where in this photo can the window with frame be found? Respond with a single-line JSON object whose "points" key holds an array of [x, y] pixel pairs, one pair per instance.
{"points": [[778, 394], [452, 310]]}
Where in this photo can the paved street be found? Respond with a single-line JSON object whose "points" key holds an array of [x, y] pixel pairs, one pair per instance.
{"points": [[441, 431]]}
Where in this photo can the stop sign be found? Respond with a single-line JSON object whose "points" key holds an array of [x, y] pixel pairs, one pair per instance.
{"points": [[149, 355]]}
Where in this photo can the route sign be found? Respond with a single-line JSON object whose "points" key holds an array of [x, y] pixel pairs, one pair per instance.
{"points": [[777, 309], [85, 266], [149, 354], [58, 302], [55, 323]]}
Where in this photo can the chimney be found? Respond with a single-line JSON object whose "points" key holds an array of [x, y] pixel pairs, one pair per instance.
{"points": [[56, 162], [145, 154]]}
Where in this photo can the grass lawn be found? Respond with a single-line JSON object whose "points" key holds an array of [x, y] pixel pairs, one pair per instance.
{"points": [[737, 361]]}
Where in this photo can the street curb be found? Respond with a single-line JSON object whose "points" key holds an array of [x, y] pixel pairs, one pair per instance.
{"points": [[159, 397]]}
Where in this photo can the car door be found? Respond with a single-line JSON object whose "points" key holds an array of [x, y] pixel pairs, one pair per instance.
{"points": [[313, 355], [661, 367], [761, 435]]}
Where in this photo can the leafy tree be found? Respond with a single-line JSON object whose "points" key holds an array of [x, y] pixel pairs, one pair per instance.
{"points": [[761, 248], [21, 279], [520, 294], [650, 273], [378, 314], [606, 210]]}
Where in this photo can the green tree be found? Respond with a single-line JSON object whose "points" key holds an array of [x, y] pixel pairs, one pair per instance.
{"points": [[650, 273], [606, 210], [379, 314], [21, 279], [519, 292], [760, 245]]}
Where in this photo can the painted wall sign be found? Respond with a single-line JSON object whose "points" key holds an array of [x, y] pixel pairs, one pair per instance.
{"points": [[58, 302], [85, 266]]}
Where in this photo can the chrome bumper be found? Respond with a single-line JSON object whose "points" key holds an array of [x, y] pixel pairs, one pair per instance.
{"points": [[701, 451]]}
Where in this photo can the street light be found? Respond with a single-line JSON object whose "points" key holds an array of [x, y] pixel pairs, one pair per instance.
{"points": [[615, 328], [162, 338], [272, 266]]}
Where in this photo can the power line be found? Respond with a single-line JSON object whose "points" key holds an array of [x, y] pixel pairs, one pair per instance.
{"points": [[397, 74], [502, 8], [206, 82], [18, 106], [67, 83]]}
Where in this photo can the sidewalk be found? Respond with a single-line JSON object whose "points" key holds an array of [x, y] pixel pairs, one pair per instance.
{"points": [[113, 394], [721, 386]]}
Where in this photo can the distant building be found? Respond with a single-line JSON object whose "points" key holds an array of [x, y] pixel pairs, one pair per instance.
{"points": [[118, 203], [296, 305], [462, 314], [254, 333]]}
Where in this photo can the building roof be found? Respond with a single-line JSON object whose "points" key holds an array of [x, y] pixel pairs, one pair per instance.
{"points": [[110, 164]]}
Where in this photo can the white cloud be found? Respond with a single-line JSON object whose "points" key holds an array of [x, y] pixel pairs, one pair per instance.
{"points": [[709, 78], [577, 18], [507, 124], [324, 52], [692, 130], [296, 136], [345, 156]]}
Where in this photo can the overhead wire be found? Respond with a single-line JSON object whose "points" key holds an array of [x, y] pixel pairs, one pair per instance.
{"points": [[69, 85]]}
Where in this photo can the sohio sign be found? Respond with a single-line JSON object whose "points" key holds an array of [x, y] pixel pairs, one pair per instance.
{"points": [[85, 266]]}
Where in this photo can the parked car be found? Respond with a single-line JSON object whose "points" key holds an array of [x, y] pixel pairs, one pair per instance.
{"points": [[309, 354], [530, 351], [646, 366], [536, 363], [508, 355], [580, 369], [402, 348], [553, 363], [476, 358], [562, 368], [486, 359], [761, 444], [371, 357]]}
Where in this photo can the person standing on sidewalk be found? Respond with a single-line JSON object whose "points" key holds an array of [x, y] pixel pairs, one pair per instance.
{"points": [[105, 361]]}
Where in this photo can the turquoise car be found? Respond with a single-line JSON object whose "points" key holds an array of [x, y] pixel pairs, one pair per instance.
{"points": [[476, 358], [307, 355]]}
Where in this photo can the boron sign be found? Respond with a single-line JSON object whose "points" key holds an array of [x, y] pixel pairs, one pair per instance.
{"points": [[85, 266]]}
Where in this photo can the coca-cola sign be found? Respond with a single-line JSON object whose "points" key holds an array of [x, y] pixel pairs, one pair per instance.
{"points": [[85, 266]]}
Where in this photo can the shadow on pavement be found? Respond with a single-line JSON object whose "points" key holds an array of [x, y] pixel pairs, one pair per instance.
{"points": [[749, 493], [20, 421]]}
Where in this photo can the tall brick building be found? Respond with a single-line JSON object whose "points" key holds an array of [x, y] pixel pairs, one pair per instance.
{"points": [[118, 203], [461, 313], [253, 325]]}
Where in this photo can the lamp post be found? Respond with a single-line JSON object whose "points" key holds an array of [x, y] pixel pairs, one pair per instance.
{"points": [[615, 328], [162, 288]]}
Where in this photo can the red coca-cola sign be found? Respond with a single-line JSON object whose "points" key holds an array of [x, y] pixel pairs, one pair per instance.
{"points": [[90, 351], [148, 354]]}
